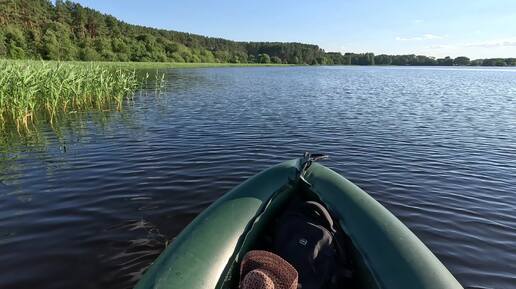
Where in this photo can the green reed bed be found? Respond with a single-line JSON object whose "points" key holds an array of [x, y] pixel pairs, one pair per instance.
{"points": [[31, 89]]}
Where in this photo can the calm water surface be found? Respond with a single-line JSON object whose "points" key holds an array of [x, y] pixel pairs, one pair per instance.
{"points": [[92, 202]]}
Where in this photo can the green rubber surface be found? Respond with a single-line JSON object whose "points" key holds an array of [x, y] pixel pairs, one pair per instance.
{"points": [[199, 255], [396, 258], [392, 257]]}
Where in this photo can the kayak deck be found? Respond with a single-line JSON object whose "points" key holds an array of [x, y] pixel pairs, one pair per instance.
{"points": [[208, 251]]}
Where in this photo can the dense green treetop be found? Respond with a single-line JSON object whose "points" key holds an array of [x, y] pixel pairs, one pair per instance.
{"points": [[39, 29]]}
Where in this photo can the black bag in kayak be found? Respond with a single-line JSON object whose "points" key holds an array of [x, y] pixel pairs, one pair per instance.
{"points": [[305, 237]]}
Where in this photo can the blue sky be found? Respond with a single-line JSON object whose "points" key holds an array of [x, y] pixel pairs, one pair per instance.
{"points": [[475, 28]]}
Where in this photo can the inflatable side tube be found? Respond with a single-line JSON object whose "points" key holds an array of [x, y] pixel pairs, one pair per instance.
{"points": [[396, 258], [198, 257]]}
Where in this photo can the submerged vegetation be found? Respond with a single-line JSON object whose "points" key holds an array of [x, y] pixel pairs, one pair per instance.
{"points": [[63, 30], [32, 89]]}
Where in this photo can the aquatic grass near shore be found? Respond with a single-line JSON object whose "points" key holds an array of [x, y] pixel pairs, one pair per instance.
{"points": [[31, 89]]}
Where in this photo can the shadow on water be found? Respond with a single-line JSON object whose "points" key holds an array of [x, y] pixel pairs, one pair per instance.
{"points": [[129, 247]]}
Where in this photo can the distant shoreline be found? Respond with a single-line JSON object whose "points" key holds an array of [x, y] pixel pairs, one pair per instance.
{"points": [[176, 65]]}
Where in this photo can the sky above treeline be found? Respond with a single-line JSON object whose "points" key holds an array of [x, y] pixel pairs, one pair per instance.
{"points": [[473, 28]]}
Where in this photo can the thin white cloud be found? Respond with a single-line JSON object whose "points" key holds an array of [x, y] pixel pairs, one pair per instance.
{"points": [[494, 43], [417, 21], [507, 42], [427, 36]]}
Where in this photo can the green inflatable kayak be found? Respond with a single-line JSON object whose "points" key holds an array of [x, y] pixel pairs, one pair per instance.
{"points": [[208, 252]]}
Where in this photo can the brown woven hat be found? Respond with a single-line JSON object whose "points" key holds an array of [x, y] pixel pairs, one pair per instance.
{"points": [[266, 270]]}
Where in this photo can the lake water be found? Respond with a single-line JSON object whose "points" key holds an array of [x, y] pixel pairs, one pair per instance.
{"points": [[93, 201]]}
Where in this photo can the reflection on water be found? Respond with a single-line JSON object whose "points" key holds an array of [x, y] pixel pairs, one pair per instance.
{"points": [[49, 140], [92, 201]]}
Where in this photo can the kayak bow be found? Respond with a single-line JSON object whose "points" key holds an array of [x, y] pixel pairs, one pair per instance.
{"points": [[207, 252]]}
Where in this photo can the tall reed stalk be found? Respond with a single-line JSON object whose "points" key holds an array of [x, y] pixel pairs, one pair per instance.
{"points": [[33, 88]]}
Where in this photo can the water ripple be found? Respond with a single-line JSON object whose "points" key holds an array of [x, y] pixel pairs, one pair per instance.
{"points": [[93, 206]]}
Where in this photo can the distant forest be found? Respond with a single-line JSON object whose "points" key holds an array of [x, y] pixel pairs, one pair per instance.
{"points": [[39, 29]]}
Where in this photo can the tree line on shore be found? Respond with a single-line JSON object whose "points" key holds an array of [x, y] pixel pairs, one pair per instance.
{"points": [[64, 30]]}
